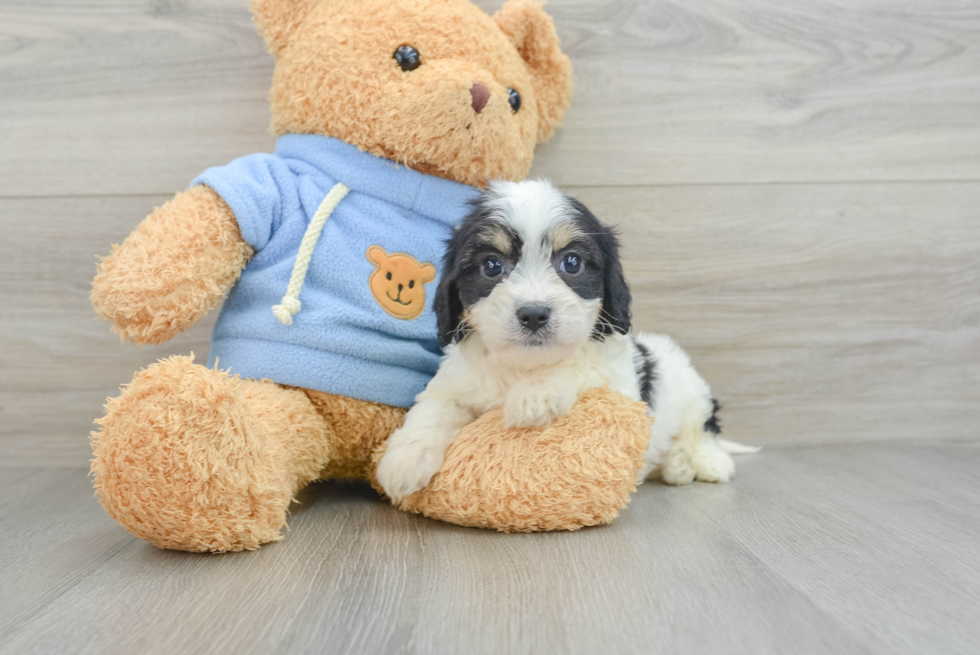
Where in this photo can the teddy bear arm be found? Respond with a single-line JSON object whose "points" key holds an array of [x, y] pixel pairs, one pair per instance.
{"points": [[581, 470], [175, 267]]}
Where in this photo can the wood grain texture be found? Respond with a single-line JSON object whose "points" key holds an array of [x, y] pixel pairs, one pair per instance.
{"points": [[852, 549], [819, 313], [116, 97], [764, 91]]}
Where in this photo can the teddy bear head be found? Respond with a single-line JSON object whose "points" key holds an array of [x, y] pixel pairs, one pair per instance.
{"points": [[437, 85]]}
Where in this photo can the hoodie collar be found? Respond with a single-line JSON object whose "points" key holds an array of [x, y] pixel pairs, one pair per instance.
{"points": [[435, 197]]}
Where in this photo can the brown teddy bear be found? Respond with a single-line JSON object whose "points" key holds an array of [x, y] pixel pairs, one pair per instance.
{"points": [[389, 113]]}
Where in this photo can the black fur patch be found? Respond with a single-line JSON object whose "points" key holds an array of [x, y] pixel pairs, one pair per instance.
{"points": [[646, 373], [588, 283], [713, 424], [615, 315], [463, 282]]}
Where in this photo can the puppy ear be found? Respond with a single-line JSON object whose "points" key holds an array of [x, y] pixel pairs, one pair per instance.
{"points": [[428, 272], [533, 34], [616, 290], [376, 255], [447, 304], [277, 19]]}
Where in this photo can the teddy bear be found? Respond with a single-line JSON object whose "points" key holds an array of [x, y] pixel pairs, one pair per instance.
{"points": [[389, 115]]}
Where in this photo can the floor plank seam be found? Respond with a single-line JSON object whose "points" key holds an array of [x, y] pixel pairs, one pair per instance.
{"points": [[648, 185], [787, 447]]}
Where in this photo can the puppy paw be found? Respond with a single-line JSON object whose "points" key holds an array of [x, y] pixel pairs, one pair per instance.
{"points": [[406, 468], [677, 467], [529, 405], [712, 464], [704, 462]]}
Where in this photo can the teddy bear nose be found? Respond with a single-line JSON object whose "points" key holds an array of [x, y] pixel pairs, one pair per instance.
{"points": [[481, 96]]}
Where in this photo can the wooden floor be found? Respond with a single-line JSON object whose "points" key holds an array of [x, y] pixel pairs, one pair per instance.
{"points": [[857, 549], [798, 186]]}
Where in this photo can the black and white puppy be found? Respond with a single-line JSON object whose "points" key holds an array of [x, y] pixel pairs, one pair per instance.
{"points": [[533, 310]]}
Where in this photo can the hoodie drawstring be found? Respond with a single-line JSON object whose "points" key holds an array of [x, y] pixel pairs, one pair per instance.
{"points": [[290, 304]]}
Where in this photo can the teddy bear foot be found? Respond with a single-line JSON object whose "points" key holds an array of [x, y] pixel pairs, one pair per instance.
{"points": [[191, 459]]}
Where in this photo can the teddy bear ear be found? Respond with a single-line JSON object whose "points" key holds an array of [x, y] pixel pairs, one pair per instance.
{"points": [[277, 19], [533, 33]]}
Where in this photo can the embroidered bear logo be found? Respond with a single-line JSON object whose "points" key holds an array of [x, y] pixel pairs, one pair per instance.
{"points": [[398, 282]]}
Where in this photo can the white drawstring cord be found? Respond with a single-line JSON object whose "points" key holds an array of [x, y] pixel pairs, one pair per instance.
{"points": [[290, 304]]}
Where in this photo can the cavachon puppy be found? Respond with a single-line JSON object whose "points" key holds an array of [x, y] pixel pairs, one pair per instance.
{"points": [[533, 310]]}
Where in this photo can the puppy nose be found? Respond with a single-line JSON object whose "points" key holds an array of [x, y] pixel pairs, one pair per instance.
{"points": [[481, 96], [533, 317]]}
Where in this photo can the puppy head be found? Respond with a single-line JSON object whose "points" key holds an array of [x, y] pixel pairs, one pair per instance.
{"points": [[534, 273]]}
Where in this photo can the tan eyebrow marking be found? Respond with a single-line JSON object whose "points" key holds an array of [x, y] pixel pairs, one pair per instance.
{"points": [[563, 234], [499, 239]]}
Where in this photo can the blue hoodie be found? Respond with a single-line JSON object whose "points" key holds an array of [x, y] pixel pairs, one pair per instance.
{"points": [[343, 341]]}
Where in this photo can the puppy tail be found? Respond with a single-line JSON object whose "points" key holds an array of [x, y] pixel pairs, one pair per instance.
{"points": [[733, 448]]}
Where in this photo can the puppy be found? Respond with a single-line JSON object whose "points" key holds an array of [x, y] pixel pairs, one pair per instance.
{"points": [[533, 309]]}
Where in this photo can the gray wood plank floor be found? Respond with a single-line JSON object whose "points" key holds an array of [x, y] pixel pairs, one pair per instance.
{"points": [[851, 549]]}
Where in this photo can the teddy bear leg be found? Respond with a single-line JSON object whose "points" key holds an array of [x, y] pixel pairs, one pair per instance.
{"points": [[192, 459], [358, 428]]}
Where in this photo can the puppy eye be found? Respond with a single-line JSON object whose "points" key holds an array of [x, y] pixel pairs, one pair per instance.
{"points": [[515, 100], [492, 267], [408, 58], [571, 264]]}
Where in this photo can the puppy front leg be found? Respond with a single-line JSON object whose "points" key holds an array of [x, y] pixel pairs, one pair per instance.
{"points": [[537, 402], [416, 450]]}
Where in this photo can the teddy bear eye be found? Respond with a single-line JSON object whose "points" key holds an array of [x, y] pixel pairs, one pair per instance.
{"points": [[515, 100], [411, 284], [408, 58], [388, 275]]}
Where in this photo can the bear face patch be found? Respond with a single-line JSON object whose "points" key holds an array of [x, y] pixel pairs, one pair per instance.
{"points": [[398, 282]]}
